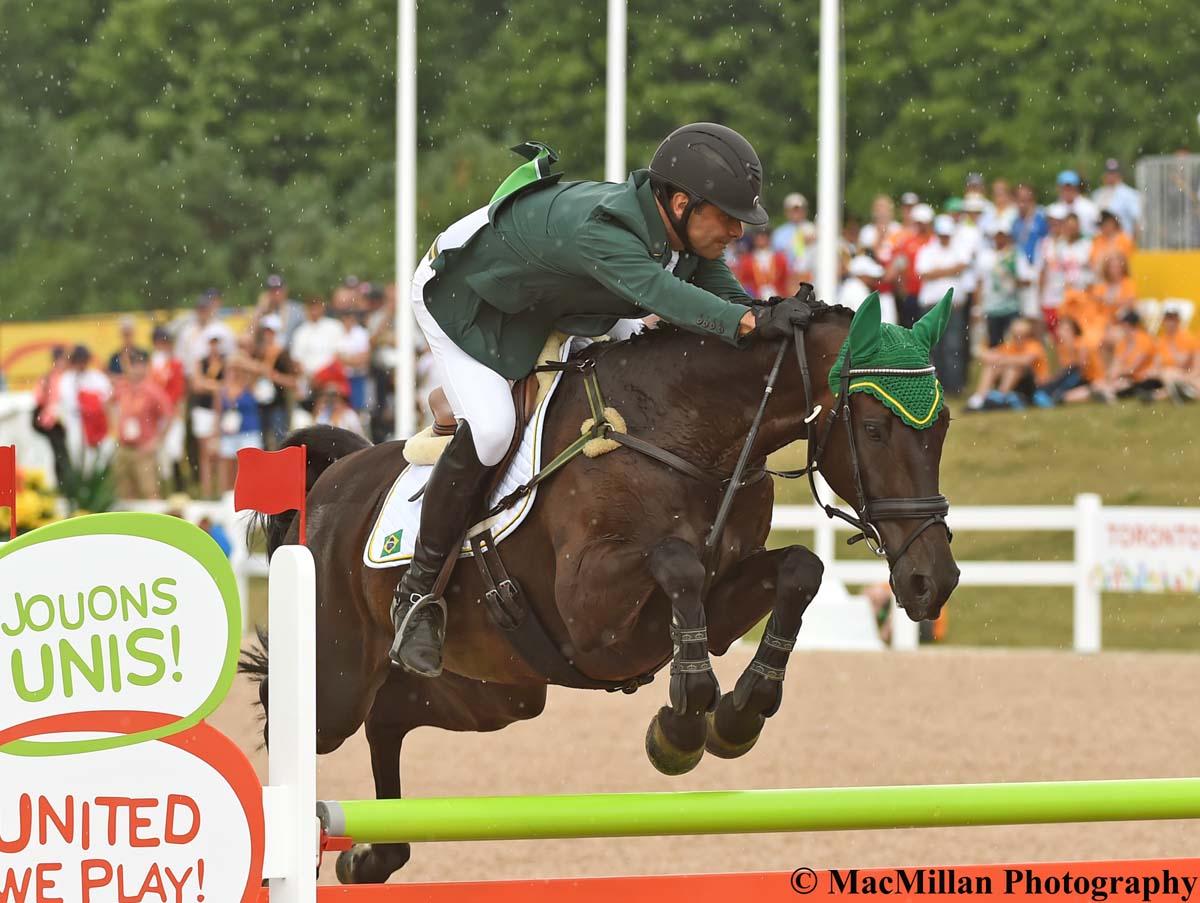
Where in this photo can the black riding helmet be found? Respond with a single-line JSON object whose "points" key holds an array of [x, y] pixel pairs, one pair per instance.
{"points": [[712, 163]]}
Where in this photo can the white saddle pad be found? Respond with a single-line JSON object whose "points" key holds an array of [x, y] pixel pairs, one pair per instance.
{"points": [[391, 540]]}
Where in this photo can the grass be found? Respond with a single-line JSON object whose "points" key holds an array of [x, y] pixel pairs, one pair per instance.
{"points": [[1129, 454]]}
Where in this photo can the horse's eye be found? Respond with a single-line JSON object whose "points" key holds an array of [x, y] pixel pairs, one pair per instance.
{"points": [[873, 430]]}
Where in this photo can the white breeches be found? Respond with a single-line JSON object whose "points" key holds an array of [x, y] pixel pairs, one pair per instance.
{"points": [[477, 394]]}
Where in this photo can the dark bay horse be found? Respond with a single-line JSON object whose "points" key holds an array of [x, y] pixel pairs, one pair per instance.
{"points": [[610, 557]]}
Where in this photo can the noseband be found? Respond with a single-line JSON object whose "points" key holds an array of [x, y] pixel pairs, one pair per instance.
{"points": [[929, 510]]}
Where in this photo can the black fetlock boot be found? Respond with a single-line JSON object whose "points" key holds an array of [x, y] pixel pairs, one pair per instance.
{"points": [[452, 498]]}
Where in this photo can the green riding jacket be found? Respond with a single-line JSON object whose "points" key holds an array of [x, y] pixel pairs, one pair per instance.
{"points": [[573, 256]]}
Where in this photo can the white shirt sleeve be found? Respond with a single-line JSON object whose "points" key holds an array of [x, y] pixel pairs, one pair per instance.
{"points": [[626, 328]]}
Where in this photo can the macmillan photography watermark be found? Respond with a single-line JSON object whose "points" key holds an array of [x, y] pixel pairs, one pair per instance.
{"points": [[1000, 880]]}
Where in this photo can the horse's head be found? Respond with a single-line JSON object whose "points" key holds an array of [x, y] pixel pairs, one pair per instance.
{"points": [[886, 463]]}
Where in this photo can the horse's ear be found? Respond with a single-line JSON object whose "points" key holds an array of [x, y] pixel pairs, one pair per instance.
{"points": [[930, 328], [865, 329]]}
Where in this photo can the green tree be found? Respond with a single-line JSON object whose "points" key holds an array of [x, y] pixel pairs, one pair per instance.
{"points": [[39, 52], [292, 87]]}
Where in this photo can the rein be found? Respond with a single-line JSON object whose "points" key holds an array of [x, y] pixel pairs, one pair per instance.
{"points": [[601, 429]]}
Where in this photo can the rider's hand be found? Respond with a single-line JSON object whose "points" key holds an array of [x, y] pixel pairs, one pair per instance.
{"points": [[804, 292], [780, 318]]}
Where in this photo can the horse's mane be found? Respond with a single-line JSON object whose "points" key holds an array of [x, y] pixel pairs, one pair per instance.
{"points": [[664, 332]]}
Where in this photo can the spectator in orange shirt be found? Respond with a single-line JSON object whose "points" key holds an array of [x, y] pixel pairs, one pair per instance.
{"points": [[143, 412], [762, 270], [1130, 371], [1176, 360], [903, 266], [1012, 370], [1090, 314], [1078, 360], [1110, 240], [1116, 291]]}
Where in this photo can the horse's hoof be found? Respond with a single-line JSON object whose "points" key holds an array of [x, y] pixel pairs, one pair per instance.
{"points": [[366, 863], [344, 868], [665, 755], [724, 748]]}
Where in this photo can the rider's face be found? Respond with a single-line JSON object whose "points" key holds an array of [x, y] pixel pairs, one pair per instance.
{"points": [[709, 229]]}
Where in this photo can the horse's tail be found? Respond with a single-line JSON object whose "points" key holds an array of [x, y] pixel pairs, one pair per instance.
{"points": [[324, 445]]}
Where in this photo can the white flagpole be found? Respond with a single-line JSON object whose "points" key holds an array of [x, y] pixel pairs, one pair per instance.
{"points": [[614, 148], [406, 216], [829, 153]]}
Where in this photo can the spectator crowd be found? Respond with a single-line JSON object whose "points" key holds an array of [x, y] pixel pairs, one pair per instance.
{"points": [[176, 414], [1044, 298]]}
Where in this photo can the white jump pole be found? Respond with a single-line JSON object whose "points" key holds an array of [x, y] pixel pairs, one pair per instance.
{"points": [[829, 151], [290, 797], [406, 216], [614, 146]]}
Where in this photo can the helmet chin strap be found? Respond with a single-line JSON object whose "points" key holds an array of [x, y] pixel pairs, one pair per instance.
{"points": [[679, 224]]}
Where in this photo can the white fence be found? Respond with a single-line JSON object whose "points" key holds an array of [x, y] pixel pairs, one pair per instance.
{"points": [[1082, 519]]}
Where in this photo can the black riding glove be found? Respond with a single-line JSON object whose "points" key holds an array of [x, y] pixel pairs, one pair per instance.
{"points": [[806, 292], [781, 318]]}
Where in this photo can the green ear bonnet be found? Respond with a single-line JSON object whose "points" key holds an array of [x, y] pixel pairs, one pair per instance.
{"points": [[874, 345]]}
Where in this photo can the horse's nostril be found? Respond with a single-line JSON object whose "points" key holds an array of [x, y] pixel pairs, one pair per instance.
{"points": [[922, 586]]}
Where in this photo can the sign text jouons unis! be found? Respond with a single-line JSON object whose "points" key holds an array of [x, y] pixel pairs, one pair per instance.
{"points": [[83, 650]]}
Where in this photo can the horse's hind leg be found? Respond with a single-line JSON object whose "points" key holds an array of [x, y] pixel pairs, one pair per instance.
{"points": [[406, 702], [734, 727], [675, 738], [386, 725]]}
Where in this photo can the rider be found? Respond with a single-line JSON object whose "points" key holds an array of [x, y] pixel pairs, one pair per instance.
{"points": [[577, 257]]}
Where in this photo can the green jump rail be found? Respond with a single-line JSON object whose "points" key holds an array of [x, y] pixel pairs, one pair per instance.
{"points": [[758, 811]]}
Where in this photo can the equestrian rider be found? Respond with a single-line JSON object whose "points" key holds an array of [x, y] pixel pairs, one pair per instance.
{"points": [[578, 257]]}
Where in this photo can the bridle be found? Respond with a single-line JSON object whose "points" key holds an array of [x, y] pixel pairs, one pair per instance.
{"points": [[930, 510]]}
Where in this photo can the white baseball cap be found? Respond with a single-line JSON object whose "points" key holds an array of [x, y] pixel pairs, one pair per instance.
{"points": [[865, 268], [922, 213], [973, 203], [213, 332], [795, 199], [943, 224], [1057, 210], [271, 322]]}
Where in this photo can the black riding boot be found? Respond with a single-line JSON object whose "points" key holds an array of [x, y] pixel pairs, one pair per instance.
{"points": [[453, 496]]}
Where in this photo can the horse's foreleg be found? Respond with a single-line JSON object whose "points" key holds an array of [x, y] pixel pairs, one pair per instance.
{"points": [[675, 739], [734, 727]]}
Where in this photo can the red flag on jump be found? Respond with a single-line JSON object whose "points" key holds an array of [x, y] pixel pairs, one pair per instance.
{"points": [[271, 482], [8, 486]]}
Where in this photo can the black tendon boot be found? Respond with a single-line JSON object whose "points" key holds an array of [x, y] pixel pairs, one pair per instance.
{"points": [[453, 496]]}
